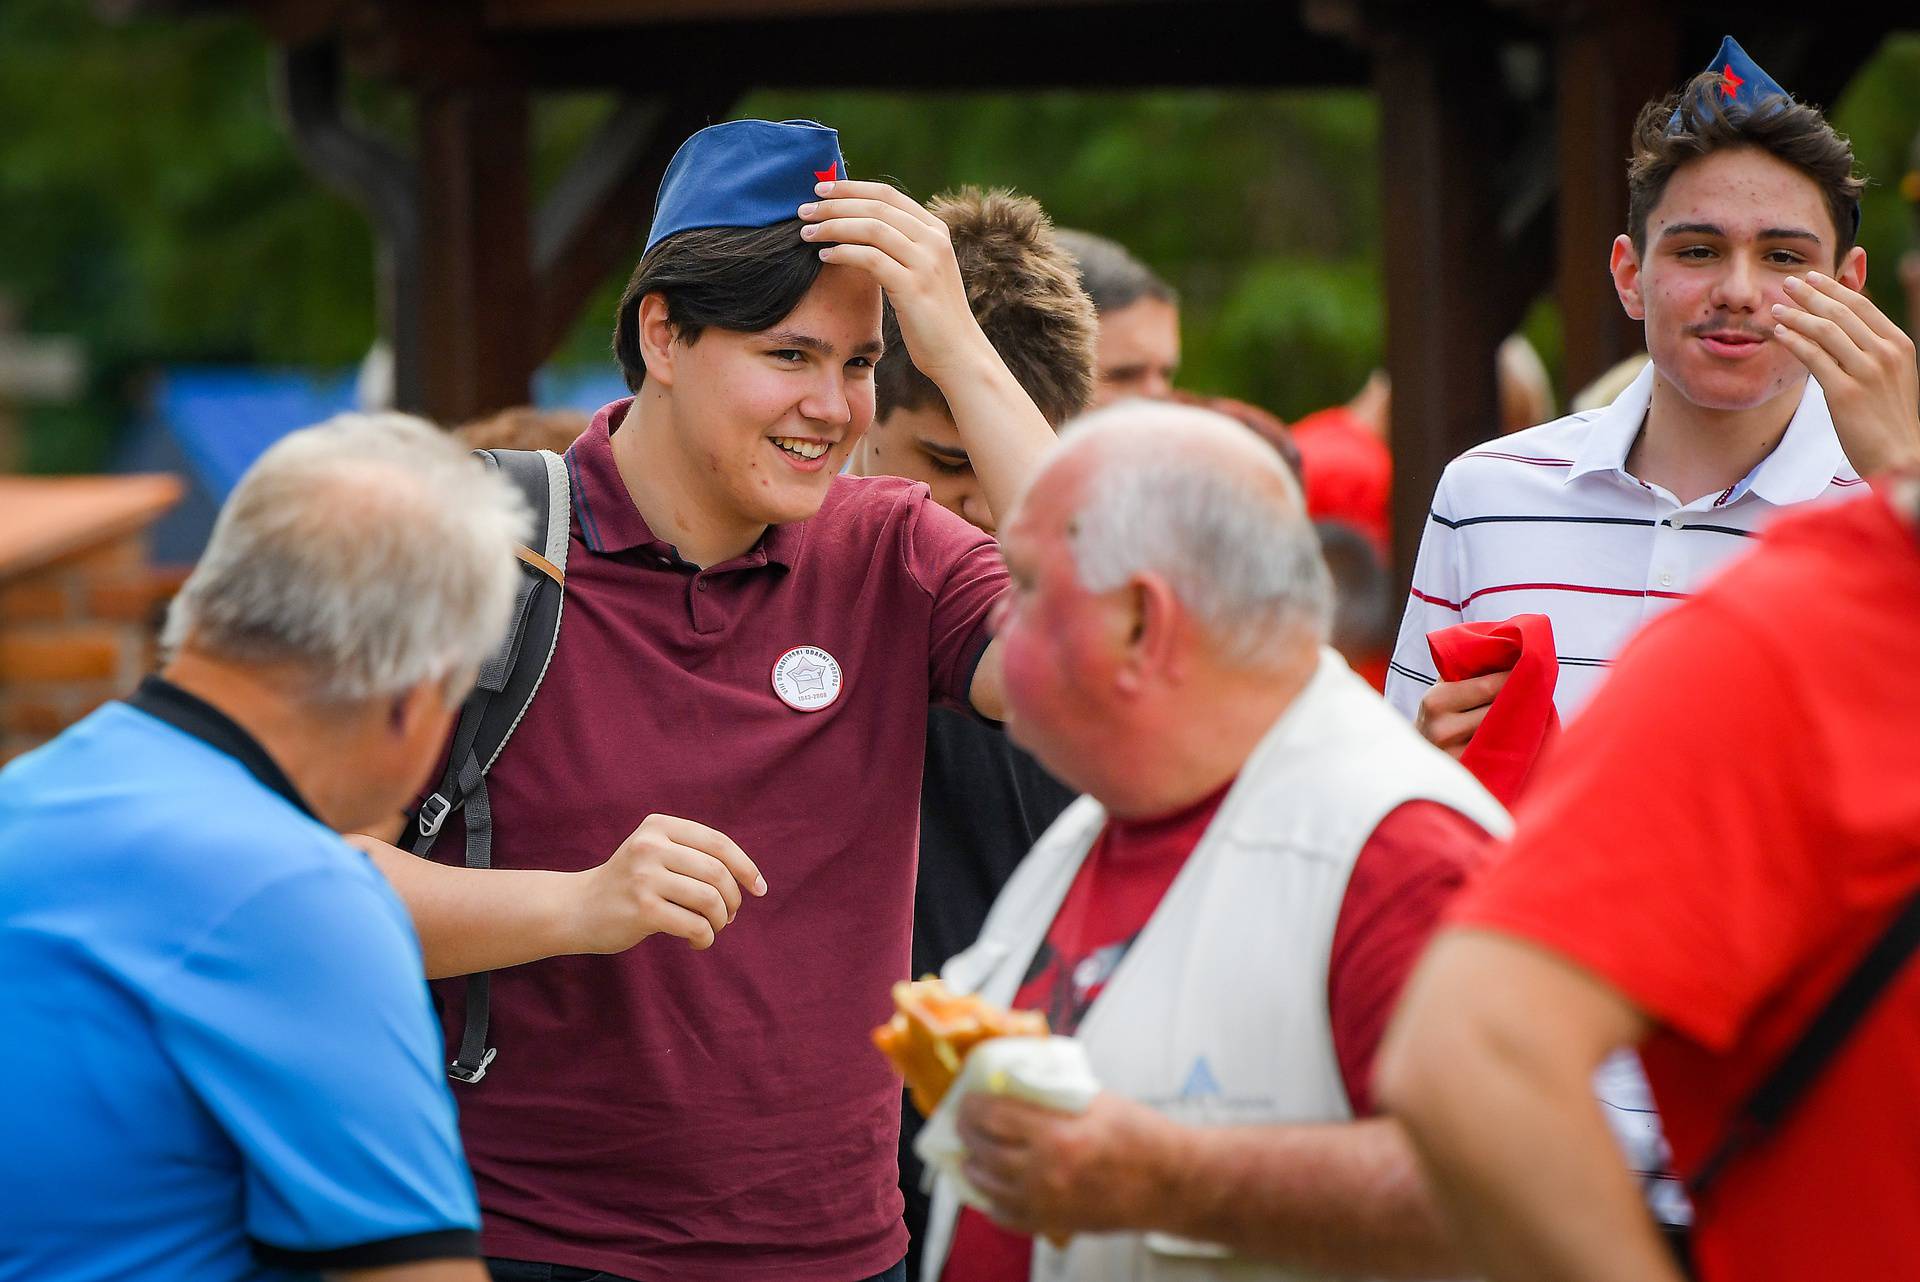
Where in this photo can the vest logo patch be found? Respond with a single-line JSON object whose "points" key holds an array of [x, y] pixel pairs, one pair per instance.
{"points": [[1200, 1081]]}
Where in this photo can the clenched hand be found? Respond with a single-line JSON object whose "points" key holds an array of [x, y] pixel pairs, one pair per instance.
{"points": [[671, 877]]}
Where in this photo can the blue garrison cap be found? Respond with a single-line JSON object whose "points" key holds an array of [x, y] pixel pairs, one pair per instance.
{"points": [[1743, 85], [1743, 89], [745, 173]]}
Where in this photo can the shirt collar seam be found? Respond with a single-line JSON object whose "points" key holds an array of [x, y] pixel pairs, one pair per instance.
{"points": [[190, 715]]}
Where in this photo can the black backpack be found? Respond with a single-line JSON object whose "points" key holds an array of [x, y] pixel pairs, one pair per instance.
{"points": [[503, 691]]}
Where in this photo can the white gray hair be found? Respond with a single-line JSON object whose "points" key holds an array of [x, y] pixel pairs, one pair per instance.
{"points": [[371, 551], [1248, 567]]}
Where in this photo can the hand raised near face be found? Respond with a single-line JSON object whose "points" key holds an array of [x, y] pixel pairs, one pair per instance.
{"points": [[884, 232], [1865, 365]]}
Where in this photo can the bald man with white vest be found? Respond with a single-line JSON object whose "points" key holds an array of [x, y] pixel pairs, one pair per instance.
{"points": [[1226, 918]]}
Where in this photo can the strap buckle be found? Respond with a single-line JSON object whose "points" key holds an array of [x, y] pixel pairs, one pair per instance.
{"points": [[461, 1073], [433, 812]]}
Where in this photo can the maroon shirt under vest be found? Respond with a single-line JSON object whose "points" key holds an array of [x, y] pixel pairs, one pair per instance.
{"points": [[667, 1114]]}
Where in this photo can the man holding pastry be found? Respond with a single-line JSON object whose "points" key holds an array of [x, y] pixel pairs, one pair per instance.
{"points": [[1224, 921]]}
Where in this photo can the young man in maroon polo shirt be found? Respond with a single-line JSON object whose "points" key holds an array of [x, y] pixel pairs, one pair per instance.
{"points": [[750, 644]]}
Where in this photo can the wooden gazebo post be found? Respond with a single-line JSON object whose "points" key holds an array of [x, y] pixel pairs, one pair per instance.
{"points": [[1465, 251], [1610, 60]]}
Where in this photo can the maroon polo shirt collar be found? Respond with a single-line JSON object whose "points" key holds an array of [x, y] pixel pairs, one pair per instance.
{"points": [[610, 523]]}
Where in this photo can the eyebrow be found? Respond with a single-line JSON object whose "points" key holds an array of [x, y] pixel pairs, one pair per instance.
{"points": [[820, 346], [952, 453], [1712, 229]]}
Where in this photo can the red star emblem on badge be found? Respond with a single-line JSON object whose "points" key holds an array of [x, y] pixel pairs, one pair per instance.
{"points": [[1730, 82], [830, 174]]}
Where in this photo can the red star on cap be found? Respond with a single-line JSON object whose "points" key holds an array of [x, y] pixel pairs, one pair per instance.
{"points": [[1730, 82], [830, 174]]}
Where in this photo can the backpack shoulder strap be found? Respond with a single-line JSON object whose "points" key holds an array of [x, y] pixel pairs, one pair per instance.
{"points": [[502, 693], [1801, 1066]]}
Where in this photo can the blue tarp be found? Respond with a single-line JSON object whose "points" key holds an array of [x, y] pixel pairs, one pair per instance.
{"points": [[225, 417], [211, 422]]}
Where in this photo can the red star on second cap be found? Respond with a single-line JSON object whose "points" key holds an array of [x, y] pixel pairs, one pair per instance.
{"points": [[1730, 82], [830, 174]]}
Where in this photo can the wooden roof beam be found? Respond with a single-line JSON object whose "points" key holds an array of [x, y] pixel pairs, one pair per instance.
{"points": [[592, 222]]}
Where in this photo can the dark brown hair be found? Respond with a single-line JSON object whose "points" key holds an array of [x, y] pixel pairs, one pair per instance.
{"points": [[738, 278], [1024, 293], [1777, 125]]}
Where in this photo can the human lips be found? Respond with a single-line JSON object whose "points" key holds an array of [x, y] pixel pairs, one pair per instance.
{"points": [[803, 453], [1732, 344]]}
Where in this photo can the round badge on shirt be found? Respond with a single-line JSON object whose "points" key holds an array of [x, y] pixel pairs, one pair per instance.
{"points": [[806, 678]]}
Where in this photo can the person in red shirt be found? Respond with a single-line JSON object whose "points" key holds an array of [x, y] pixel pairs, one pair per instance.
{"points": [[1164, 653], [1704, 908]]}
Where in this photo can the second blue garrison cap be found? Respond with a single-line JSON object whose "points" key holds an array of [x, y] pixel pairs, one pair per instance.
{"points": [[1744, 88], [745, 173]]}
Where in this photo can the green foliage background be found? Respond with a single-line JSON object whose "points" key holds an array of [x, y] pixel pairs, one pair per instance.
{"points": [[150, 205]]}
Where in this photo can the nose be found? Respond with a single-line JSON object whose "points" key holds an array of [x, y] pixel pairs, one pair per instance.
{"points": [[973, 506], [1738, 288], [1157, 385], [827, 400]]}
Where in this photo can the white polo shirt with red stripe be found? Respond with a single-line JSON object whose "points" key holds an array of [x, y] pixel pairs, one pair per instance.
{"points": [[1548, 521]]}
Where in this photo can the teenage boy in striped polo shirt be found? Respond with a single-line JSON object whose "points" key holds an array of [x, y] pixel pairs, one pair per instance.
{"points": [[1739, 257], [1773, 382]]}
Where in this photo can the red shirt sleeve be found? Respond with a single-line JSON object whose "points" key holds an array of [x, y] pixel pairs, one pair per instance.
{"points": [[1403, 881], [959, 566], [1679, 803]]}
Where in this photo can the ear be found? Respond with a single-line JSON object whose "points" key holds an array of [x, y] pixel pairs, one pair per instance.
{"points": [[1152, 623], [1624, 266], [656, 339], [1852, 271], [407, 710], [421, 710]]}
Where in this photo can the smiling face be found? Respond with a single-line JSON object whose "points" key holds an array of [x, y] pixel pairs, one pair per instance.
{"points": [[1728, 231], [767, 419]]}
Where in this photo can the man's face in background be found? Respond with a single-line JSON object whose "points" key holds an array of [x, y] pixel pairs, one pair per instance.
{"points": [[1139, 350]]}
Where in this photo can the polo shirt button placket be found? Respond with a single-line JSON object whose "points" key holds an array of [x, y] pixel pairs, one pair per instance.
{"points": [[701, 605]]}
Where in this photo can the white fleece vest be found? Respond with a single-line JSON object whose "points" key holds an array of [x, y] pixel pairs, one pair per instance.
{"points": [[1218, 1014]]}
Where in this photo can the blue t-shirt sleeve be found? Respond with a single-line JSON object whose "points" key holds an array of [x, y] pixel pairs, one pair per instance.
{"points": [[302, 1022]]}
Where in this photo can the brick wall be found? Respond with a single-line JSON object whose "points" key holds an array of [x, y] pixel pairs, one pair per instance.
{"points": [[80, 603]]}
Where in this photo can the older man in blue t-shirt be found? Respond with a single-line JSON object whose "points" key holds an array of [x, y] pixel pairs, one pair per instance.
{"points": [[219, 1060]]}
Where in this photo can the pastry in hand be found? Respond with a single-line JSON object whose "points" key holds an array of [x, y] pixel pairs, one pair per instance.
{"points": [[933, 1029]]}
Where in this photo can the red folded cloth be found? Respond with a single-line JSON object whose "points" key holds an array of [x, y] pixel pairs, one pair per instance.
{"points": [[1522, 720]]}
